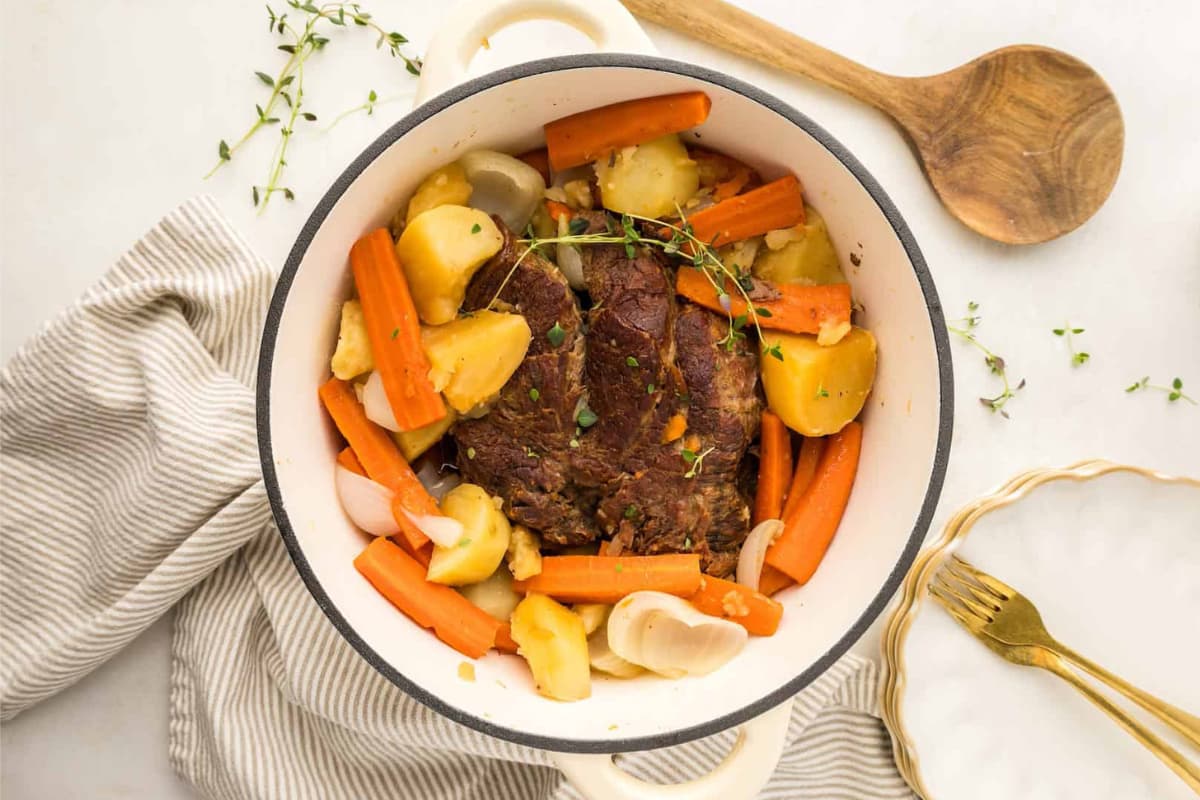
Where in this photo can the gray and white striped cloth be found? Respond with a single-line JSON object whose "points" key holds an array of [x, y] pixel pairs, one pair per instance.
{"points": [[131, 484]]}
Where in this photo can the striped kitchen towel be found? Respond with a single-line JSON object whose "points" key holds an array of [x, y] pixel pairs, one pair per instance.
{"points": [[131, 484]]}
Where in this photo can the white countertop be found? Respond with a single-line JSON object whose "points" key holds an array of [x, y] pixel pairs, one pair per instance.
{"points": [[112, 111]]}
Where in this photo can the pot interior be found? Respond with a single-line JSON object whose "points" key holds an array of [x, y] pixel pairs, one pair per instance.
{"points": [[901, 460]]}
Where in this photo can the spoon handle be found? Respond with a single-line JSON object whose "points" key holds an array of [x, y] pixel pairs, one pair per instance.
{"points": [[740, 32]]}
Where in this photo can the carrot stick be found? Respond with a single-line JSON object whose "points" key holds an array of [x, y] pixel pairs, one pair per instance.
{"points": [[774, 467], [379, 456], [778, 204], [798, 309], [592, 135], [811, 448], [772, 581], [809, 530], [539, 159], [504, 639], [347, 459], [606, 579], [753, 610], [395, 332], [556, 210], [453, 618]]}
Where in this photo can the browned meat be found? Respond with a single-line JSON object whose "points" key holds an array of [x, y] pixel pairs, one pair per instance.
{"points": [[521, 449], [648, 358]]}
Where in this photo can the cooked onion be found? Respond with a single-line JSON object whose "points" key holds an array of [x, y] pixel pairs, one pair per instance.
{"points": [[442, 531], [504, 186], [375, 403], [434, 480], [668, 635], [570, 262], [603, 659], [754, 551], [367, 503]]}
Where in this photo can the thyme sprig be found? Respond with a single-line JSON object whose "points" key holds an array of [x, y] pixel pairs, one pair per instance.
{"points": [[302, 38], [1080, 357], [997, 365], [684, 246], [1174, 392]]}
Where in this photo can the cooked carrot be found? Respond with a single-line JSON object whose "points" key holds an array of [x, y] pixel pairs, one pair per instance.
{"points": [[772, 581], [606, 579], [676, 427], [811, 448], [753, 610], [809, 530], [778, 204], [539, 159], [592, 135], [556, 210], [798, 309], [379, 456], [453, 618], [395, 332], [422, 555], [774, 467], [347, 459], [504, 639]]}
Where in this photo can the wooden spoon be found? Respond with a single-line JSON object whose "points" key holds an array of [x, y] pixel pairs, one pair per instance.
{"points": [[1022, 144]]}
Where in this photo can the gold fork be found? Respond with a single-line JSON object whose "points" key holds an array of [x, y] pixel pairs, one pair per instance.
{"points": [[1004, 620]]}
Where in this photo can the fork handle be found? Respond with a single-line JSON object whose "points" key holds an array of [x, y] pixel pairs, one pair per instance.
{"points": [[1189, 772], [1187, 725]]}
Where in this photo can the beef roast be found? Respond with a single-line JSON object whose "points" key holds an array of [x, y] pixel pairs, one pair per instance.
{"points": [[648, 359]]}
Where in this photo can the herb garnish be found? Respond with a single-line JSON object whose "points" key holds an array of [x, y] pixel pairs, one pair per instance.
{"points": [[301, 41], [1077, 358], [471, 453], [534, 394], [476, 228], [994, 362], [556, 335], [1174, 391], [631, 511], [696, 460], [586, 418], [630, 361]]}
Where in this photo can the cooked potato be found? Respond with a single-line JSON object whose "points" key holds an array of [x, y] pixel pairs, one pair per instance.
{"points": [[803, 254], [473, 357], [440, 251], [447, 186], [524, 553], [413, 443], [649, 179], [817, 389], [484, 542], [593, 615], [353, 354], [551, 638], [494, 595]]}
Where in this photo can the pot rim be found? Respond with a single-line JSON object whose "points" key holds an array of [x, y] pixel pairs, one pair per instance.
{"points": [[463, 92]]}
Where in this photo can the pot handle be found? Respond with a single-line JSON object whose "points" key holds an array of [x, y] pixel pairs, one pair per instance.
{"points": [[606, 22], [740, 776]]}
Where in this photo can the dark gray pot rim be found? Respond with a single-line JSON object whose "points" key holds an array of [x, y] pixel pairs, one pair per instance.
{"points": [[457, 95]]}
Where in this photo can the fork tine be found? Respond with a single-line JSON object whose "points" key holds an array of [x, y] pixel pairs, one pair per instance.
{"points": [[985, 613], [997, 587], [954, 609], [981, 594]]}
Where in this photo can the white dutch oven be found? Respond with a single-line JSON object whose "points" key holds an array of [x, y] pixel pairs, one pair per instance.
{"points": [[907, 430]]}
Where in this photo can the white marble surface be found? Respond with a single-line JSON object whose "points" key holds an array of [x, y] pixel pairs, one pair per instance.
{"points": [[112, 110]]}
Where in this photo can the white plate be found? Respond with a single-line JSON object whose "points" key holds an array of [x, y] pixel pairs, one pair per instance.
{"points": [[1111, 557]]}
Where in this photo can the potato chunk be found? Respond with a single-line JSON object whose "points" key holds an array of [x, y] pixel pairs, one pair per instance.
{"points": [[447, 186], [494, 595], [817, 389], [440, 251], [413, 443], [649, 179], [473, 357], [353, 354], [524, 553], [803, 254], [484, 542], [551, 638]]}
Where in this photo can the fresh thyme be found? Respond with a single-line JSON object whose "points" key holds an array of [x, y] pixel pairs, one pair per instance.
{"points": [[302, 39], [369, 106], [1077, 358], [995, 363], [694, 460], [1174, 392], [556, 335], [684, 246]]}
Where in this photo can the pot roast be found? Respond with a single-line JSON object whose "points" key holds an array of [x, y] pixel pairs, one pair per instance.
{"points": [[643, 364]]}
